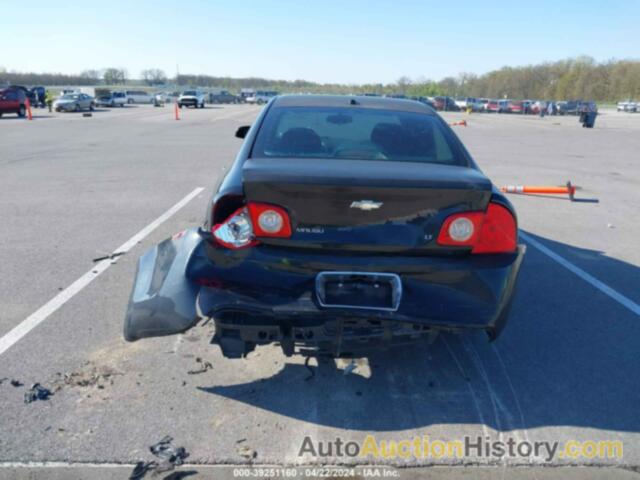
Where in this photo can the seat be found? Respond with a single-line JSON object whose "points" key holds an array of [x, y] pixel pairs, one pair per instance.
{"points": [[300, 140], [406, 140]]}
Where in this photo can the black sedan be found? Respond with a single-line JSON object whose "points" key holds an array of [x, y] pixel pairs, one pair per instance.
{"points": [[346, 224]]}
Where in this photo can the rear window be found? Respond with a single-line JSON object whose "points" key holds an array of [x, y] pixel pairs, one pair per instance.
{"points": [[356, 134]]}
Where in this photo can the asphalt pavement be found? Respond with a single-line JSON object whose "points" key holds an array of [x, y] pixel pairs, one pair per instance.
{"points": [[74, 189]]}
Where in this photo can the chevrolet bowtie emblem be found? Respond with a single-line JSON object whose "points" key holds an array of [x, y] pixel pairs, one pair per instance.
{"points": [[366, 205]]}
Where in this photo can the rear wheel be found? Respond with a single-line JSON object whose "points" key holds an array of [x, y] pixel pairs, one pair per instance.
{"points": [[91, 107], [22, 111]]}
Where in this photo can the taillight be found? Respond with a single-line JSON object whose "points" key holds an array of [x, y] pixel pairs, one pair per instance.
{"points": [[492, 231], [236, 231], [499, 231], [242, 227], [461, 229], [270, 220]]}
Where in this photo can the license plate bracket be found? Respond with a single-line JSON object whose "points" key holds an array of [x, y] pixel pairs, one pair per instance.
{"points": [[360, 290]]}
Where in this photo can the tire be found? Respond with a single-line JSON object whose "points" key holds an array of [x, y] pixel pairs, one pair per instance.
{"points": [[179, 105], [76, 108], [91, 107], [22, 111]]}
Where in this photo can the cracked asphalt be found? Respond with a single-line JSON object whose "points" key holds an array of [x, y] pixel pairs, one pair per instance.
{"points": [[73, 188]]}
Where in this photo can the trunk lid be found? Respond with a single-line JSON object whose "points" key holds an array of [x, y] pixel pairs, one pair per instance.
{"points": [[364, 205]]}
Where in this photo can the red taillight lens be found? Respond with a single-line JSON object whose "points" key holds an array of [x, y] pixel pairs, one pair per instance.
{"points": [[492, 231], [269, 220], [499, 232]]}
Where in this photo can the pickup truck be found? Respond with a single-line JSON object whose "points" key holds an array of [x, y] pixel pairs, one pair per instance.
{"points": [[191, 98]]}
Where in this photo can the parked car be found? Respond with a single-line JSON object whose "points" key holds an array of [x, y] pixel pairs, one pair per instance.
{"points": [[223, 96], [138, 96], [568, 107], [627, 106], [191, 98], [13, 100], [515, 107], [261, 96], [246, 93], [28, 93], [498, 106], [468, 102], [74, 102], [319, 175], [425, 100], [113, 99], [446, 104]]}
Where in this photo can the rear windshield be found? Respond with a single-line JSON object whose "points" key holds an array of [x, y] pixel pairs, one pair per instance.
{"points": [[356, 134]]}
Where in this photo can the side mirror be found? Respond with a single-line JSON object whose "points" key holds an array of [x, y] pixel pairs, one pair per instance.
{"points": [[242, 131]]}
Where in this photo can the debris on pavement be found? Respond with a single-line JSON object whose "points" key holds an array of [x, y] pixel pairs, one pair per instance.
{"points": [[171, 456], [204, 366], [109, 257], [37, 392], [13, 382], [247, 452], [87, 377]]}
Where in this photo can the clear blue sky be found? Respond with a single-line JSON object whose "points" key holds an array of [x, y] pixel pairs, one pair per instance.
{"points": [[321, 40]]}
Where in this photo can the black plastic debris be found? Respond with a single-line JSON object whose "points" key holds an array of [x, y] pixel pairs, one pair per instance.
{"points": [[16, 383], [36, 392], [109, 257], [171, 456]]}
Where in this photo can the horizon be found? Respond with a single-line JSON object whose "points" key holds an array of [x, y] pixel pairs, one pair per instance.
{"points": [[326, 44]]}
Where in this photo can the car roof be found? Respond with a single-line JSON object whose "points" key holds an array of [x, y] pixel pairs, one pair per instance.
{"points": [[381, 103]]}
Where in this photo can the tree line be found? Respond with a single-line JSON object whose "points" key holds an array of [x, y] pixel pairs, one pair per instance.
{"points": [[574, 78]]}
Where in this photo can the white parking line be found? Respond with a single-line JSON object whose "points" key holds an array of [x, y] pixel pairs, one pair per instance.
{"points": [[604, 288], [40, 315]]}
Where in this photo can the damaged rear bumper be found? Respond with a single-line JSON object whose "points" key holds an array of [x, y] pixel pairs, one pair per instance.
{"points": [[163, 300], [267, 294]]}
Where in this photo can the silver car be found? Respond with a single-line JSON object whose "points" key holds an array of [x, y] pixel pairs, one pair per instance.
{"points": [[74, 102]]}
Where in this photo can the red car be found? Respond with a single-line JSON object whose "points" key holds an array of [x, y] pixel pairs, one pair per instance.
{"points": [[12, 101], [516, 107], [493, 106]]}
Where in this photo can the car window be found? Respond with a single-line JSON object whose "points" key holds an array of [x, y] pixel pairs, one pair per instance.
{"points": [[356, 134]]}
